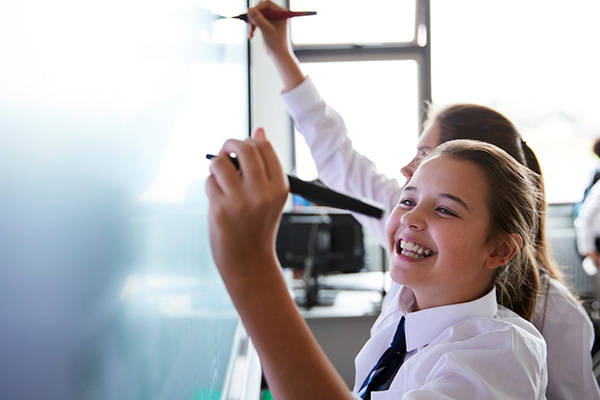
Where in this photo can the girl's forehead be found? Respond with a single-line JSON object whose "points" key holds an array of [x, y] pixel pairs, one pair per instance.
{"points": [[447, 171], [431, 137], [444, 164], [446, 176]]}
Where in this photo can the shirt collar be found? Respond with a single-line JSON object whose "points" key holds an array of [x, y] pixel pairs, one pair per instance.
{"points": [[424, 326]]}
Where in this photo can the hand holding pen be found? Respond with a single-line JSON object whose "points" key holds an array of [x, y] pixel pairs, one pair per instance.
{"points": [[319, 194], [276, 41], [268, 11], [244, 208]]}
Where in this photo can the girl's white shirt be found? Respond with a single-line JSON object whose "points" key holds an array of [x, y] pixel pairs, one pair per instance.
{"points": [[343, 169], [587, 224], [473, 350]]}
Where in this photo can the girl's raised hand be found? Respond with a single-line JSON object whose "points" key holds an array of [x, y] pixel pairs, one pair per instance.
{"points": [[245, 205], [277, 44], [274, 32]]}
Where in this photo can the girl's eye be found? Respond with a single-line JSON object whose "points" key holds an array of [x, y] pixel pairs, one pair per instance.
{"points": [[407, 202], [445, 211], [422, 154]]}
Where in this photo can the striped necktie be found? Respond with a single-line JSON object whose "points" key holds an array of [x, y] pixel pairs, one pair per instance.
{"points": [[387, 366]]}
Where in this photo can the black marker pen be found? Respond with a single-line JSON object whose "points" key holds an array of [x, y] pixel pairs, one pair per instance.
{"points": [[324, 196]]}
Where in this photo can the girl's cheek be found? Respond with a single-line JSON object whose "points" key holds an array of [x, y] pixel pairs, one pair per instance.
{"points": [[392, 223]]}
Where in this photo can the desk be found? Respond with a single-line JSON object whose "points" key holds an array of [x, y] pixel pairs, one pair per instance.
{"points": [[343, 327]]}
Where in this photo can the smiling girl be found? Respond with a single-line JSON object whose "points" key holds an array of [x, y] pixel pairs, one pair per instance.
{"points": [[460, 246]]}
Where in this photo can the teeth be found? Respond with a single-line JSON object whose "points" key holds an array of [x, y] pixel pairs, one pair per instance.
{"points": [[413, 250]]}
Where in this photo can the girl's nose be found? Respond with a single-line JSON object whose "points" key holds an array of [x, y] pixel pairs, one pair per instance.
{"points": [[409, 169], [413, 219]]}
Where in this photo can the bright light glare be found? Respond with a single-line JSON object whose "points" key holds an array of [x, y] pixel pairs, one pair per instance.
{"points": [[537, 62], [199, 129], [108, 78]]}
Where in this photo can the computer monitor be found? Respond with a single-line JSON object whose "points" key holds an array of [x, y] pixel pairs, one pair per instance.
{"points": [[332, 241], [319, 244]]}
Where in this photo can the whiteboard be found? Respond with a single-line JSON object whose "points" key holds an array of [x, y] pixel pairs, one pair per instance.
{"points": [[107, 109]]}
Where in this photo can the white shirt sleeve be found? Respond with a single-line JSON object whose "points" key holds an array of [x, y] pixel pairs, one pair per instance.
{"points": [[340, 166], [587, 224], [569, 333]]}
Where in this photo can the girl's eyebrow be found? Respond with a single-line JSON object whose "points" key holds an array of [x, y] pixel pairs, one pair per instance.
{"points": [[455, 199], [445, 195]]}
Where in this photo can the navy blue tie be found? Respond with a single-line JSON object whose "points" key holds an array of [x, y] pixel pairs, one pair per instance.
{"points": [[387, 366]]}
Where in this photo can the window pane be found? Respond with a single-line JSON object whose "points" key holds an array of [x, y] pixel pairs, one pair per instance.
{"points": [[351, 21], [379, 108], [535, 61]]}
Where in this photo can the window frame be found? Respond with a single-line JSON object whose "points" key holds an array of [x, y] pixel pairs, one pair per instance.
{"points": [[421, 54]]}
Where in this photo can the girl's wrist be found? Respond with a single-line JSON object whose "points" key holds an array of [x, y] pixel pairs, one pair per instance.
{"points": [[290, 72], [249, 271], [281, 54]]}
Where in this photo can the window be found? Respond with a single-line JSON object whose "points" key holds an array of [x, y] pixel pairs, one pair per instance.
{"points": [[383, 21], [376, 52], [535, 61], [390, 123]]}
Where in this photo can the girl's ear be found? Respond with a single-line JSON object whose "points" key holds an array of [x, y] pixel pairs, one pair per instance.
{"points": [[504, 250]]}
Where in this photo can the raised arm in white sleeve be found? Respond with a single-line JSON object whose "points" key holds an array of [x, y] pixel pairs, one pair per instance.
{"points": [[339, 165]]}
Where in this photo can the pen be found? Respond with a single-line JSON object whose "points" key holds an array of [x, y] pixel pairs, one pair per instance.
{"points": [[324, 196], [278, 14]]}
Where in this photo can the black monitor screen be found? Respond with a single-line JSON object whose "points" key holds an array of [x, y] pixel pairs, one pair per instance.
{"points": [[333, 241]]}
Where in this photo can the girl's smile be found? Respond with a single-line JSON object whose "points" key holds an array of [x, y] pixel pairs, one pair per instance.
{"points": [[412, 249]]}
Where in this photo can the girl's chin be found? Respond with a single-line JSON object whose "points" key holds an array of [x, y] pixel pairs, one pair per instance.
{"points": [[408, 272], [400, 275]]}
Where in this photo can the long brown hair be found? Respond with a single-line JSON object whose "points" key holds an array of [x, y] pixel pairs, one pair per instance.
{"points": [[476, 122], [546, 260], [512, 198]]}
